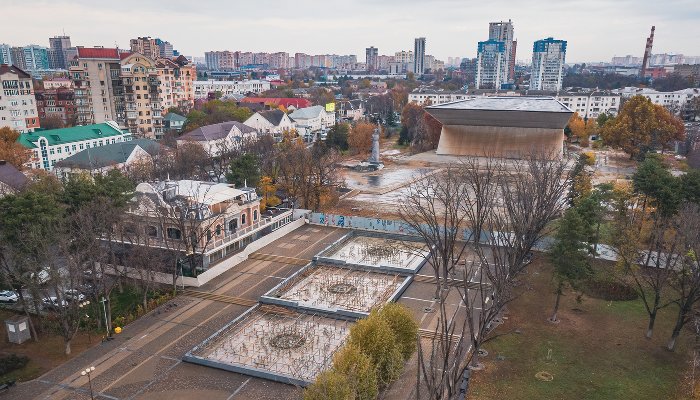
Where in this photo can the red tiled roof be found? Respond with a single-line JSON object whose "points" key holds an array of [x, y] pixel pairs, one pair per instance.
{"points": [[97, 52], [285, 101], [125, 55]]}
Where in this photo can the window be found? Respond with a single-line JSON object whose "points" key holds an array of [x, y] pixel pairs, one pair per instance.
{"points": [[174, 233], [218, 230], [242, 219], [232, 225], [152, 231], [255, 215]]}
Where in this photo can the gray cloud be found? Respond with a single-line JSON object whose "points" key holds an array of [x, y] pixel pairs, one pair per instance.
{"points": [[595, 29]]}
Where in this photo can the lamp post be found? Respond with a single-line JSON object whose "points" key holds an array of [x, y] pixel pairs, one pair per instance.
{"points": [[81, 305], [104, 308], [87, 372]]}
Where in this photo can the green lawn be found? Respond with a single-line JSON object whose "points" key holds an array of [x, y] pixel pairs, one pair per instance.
{"points": [[597, 351]]}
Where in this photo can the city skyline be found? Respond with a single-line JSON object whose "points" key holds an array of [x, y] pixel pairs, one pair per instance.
{"points": [[449, 34]]}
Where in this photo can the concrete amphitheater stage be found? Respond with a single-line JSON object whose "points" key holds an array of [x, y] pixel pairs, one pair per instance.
{"points": [[507, 127]]}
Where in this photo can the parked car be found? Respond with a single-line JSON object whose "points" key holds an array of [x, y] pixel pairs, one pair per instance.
{"points": [[53, 303], [8, 296], [73, 295]]}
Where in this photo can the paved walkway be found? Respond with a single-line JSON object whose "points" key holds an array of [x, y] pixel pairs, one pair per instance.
{"points": [[144, 362]]}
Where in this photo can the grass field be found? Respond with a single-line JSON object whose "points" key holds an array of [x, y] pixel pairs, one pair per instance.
{"points": [[598, 350]]}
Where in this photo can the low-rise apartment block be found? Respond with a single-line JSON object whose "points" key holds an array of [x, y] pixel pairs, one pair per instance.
{"points": [[202, 89]]}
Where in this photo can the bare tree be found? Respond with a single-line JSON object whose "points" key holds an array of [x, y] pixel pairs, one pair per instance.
{"points": [[686, 280], [512, 205], [652, 269]]}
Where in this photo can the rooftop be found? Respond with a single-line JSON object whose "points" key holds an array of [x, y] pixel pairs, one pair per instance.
{"points": [[201, 192], [5, 69], [307, 112], [111, 154], [171, 116], [98, 52], [11, 176], [506, 103], [216, 131], [74, 134]]}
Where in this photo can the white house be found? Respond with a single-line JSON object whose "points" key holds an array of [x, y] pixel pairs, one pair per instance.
{"points": [[203, 88], [313, 118], [274, 122], [217, 139]]}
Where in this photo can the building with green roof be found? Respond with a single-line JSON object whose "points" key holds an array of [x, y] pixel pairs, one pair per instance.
{"points": [[51, 146]]}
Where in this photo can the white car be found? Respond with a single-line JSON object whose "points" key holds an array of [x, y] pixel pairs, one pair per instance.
{"points": [[8, 296], [73, 294], [53, 303]]}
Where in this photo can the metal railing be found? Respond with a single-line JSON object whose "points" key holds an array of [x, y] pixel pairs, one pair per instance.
{"points": [[239, 233]]}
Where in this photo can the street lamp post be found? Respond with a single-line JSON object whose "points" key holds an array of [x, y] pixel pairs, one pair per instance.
{"points": [[81, 305], [87, 372], [104, 308]]}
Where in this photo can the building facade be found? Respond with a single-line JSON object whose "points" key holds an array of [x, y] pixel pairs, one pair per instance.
{"points": [[371, 58], [203, 88], [58, 52], [504, 32], [17, 104], [99, 92], [435, 97], [49, 147], [203, 219], [491, 65], [221, 60], [548, 58], [35, 57], [419, 56], [145, 46], [57, 103]]}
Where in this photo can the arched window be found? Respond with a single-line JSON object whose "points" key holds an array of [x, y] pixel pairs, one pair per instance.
{"points": [[232, 225], [255, 215], [242, 219], [218, 230]]}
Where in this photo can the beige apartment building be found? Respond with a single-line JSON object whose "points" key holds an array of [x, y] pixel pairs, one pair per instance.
{"points": [[143, 112], [130, 88], [99, 94]]}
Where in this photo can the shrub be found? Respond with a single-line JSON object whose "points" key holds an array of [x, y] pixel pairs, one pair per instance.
{"points": [[358, 369], [329, 385], [12, 362], [609, 290], [405, 329], [374, 337]]}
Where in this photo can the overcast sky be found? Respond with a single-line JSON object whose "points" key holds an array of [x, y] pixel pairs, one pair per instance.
{"points": [[595, 29]]}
